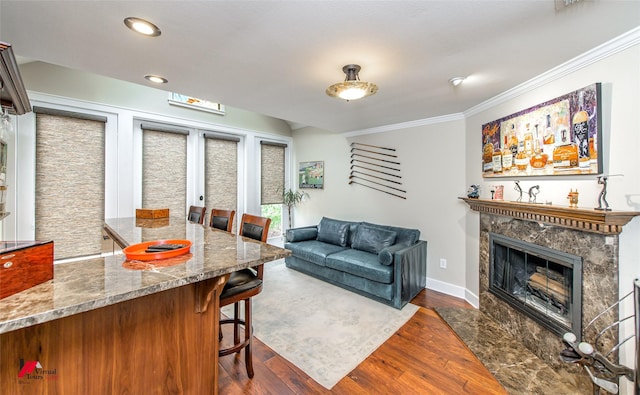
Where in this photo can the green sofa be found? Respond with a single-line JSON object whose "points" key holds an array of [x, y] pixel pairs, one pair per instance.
{"points": [[384, 263]]}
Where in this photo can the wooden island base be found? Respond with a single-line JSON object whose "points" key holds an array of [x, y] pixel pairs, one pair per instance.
{"points": [[163, 343]]}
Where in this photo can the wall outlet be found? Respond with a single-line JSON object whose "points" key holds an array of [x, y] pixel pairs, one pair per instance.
{"points": [[443, 263]]}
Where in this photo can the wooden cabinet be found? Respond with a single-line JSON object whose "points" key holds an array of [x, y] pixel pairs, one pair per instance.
{"points": [[24, 265], [13, 94]]}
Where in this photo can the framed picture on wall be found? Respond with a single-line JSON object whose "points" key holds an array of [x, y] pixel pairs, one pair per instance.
{"points": [[562, 136], [311, 175]]}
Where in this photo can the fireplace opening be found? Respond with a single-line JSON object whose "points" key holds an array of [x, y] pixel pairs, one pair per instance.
{"points": [[540, 282]]}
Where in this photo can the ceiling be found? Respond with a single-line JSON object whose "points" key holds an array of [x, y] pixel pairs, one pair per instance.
{"points": [[278, 57]]}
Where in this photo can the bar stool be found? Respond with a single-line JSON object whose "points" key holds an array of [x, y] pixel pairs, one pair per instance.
{"points": [[242, 286], [222, 219], [196, 214]]}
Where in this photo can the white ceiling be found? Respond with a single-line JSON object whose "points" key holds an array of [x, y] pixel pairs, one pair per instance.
{"points": [[278, 57]]}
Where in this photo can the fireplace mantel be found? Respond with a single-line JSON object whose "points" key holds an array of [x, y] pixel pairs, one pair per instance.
{"points": [[588, 220]]}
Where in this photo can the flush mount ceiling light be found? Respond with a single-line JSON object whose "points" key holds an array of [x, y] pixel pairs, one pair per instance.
{"points": [[141, 26], [352, 88], [455, 81], [156, 78]]}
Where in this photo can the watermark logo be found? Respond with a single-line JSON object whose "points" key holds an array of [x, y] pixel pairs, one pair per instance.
{"points": [[33, 370]]}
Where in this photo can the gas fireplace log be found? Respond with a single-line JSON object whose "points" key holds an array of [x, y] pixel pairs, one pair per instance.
{"points": [[547, 282], [548, 286], [552, 274]]}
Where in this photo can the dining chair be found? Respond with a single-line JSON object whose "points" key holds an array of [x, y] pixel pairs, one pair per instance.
{"points": [[241, 287], [196, 214], [222, 219]]}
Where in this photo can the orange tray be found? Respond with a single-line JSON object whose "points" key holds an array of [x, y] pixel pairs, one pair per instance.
{"points": [[137, 251]]}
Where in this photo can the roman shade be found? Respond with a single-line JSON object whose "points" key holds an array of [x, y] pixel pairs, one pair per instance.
{"points": [[164, 169], [221, 171], [272, 172], [70, 181]]}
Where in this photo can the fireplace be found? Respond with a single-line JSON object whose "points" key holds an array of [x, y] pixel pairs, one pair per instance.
{"points": [[590, 235], [543, 283]]}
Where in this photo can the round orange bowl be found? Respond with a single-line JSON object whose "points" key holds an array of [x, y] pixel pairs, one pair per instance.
{"points": [[137, 252]]}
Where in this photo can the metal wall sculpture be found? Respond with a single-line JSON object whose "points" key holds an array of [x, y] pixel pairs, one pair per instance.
{"points": [[376, 168]]}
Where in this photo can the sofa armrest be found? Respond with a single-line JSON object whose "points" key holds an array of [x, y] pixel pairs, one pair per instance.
{"points": [[410, 272], [302, 234]]}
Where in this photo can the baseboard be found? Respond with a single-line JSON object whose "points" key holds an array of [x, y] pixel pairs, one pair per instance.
{"points": [[453, 290], [472, 298]]}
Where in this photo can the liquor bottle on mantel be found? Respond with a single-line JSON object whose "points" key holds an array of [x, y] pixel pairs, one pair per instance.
{"points": [[580, 126], [565, 156]]}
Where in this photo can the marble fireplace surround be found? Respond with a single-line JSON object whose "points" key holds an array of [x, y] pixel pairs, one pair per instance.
{"points": [[590, 234]]}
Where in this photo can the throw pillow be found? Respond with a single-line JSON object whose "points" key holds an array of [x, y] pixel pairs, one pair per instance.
{"points": [[333, 231], [385, 257], [302, 234], [372, 239]]}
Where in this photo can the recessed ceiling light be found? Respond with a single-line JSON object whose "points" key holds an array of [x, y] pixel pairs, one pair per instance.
{"points": [[156, 78], [455, 81], [141, 26]]}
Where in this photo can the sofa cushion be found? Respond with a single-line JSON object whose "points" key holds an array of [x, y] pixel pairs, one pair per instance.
{"points": [[404, 236], [373, 239], [333, 231], [361, 264], [302, 234], [313, 250]]}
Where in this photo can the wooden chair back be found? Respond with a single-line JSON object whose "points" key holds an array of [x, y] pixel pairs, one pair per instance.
{"points": [[222, 219], [196, 214], [256, 228]]}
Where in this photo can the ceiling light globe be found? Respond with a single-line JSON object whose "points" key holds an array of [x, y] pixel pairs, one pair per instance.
{"points": [[352, 90]]}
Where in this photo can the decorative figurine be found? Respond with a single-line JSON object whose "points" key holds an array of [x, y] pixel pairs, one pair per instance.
{"points": [[573, 198], [533, 192], [474, 191], [602, 197], [519, 189]]}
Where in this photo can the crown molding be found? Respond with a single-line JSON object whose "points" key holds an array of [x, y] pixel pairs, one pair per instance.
{"points": [[588, 58], [611, 47], [406, 125]]}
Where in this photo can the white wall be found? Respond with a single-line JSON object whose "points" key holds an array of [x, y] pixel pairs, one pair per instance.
{"points": [[433, 174], [64, 82], [440, 161], [125, 105], [620, 78]]}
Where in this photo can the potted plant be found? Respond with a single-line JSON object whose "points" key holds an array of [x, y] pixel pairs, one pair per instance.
{"points": [[291, 198]]}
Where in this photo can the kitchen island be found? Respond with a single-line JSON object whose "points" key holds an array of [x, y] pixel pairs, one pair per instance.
{"points": [[108, 325]]}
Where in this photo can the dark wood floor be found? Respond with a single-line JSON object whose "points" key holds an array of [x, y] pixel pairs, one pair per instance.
{"points": [[424, 357]]}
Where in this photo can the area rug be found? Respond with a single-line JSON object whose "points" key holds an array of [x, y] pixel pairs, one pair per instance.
{"points": [[322, 329]]}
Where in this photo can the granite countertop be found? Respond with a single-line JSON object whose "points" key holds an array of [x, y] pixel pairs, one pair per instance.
{"points": [[93, 283]]}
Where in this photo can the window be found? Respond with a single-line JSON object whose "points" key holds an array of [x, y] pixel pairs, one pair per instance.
{"points": [[221, 172], [164, 168], [272, 170], [70, 181]]}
